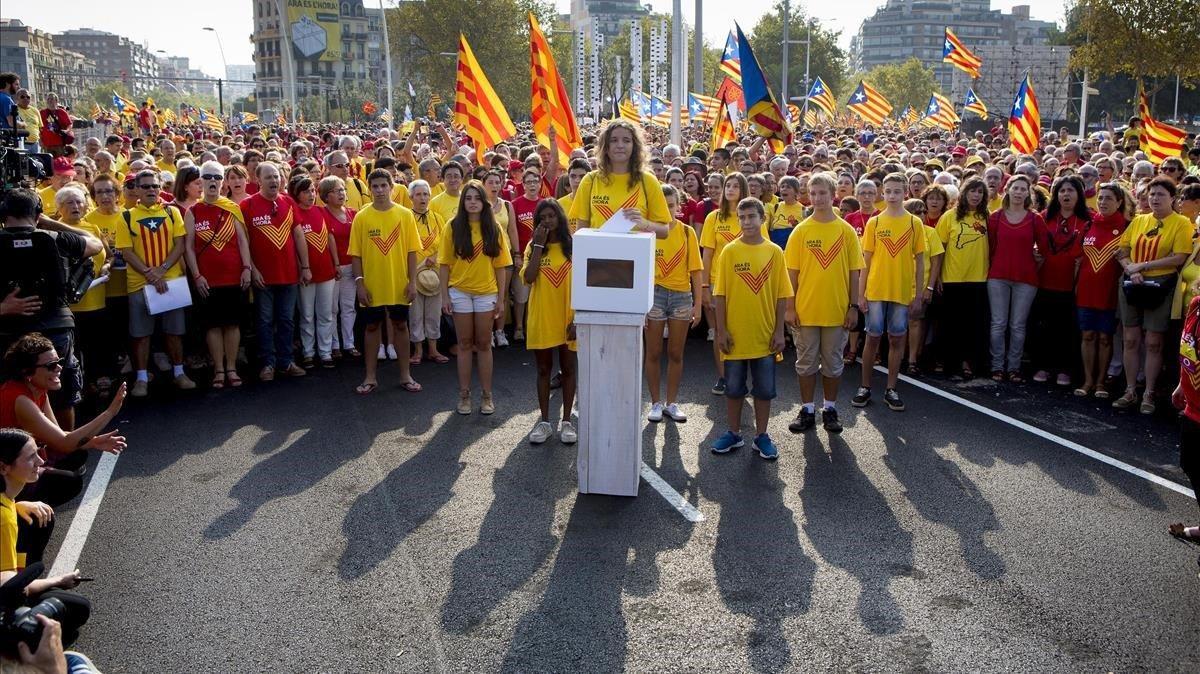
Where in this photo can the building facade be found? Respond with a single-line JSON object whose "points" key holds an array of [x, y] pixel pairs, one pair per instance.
{"points": [[44, 65], [240, 80], [113, 54], [916, 28], [607, 15], [357, 65]]}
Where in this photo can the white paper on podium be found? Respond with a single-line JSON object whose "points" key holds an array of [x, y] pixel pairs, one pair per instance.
{"points": [[619, 223], [176, 297], [97, 281]]}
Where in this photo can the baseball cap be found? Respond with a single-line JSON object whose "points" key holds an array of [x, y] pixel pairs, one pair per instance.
{"points": [[515, 165], [62, 166], [959, 151]]}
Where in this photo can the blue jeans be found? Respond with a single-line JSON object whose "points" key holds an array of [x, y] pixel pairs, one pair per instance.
{"points": [[889, 316], [1010, 303], [276, 324], [763, 371]]}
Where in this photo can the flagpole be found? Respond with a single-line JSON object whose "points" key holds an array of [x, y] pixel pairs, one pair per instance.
{"points": [[1083, 106], [677, 74], [387, 59], [288, 76]]}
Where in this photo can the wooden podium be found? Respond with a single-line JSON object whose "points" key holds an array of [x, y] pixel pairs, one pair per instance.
{"points": [[610, 402]]}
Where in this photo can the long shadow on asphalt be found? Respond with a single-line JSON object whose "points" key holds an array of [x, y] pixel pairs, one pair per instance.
{"points": [[852, 527], [579, 625]]}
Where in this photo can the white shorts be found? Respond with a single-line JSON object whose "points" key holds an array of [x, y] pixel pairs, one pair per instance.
{"points": [[466, 303]]}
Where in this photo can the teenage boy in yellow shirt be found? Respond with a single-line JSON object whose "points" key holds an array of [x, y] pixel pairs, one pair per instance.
{"points": [[892, 244], [752, 295]]}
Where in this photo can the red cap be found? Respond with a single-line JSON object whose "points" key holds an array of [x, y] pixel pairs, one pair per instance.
{"points": [[515, 165], [959, 151], [368, 145], [62, 166]]}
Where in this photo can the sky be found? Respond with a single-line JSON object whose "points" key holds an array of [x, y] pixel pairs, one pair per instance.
{"points": [[181, 34]]}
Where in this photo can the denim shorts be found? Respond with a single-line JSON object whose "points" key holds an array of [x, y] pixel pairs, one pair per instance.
{"points": [[891, 316], [763, 369], [1103, 321], [671, 304]]}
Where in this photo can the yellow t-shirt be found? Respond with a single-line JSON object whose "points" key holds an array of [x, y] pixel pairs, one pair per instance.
{"points": [[49, 208], [476, 274], [383, 240], [894, 243], [429, 232], [933, 248], [565, 201], [164, 165], [676, 257], [10, 559], [400, 196], [155, 231], [785, 216], [996, 204], [549, 309], [598, 199], [823, 254], [108, 225], [358, 193], [445, 205], [1147, 241], [719, 232], [437, 189], [965, 243], [93, 299], [33, 123], [752, 280]]}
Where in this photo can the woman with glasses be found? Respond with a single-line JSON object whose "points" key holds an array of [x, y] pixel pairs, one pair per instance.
{"points": [[217, 252], [1096, 286], [1053, 323], [317, 295], [34, 369], [1152, 249], [339, 218], [1014, 232]]}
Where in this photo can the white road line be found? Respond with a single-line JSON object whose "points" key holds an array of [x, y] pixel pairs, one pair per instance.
{"points": [[1046, 435], [673, 497], [72, 545]]}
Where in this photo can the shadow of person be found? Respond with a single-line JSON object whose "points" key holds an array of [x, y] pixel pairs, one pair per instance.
{"points": [[761, 569], [515, 537], [852, 527], [942, 493], [579, 624]]}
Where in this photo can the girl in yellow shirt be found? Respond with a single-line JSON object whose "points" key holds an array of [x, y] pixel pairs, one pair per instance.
{"points": [[474, 258], [621, 184], [720, 228], [547, 272]]}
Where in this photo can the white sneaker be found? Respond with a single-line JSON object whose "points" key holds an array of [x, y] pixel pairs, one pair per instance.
{"points": [[712, 334], [566, 433], [391, 353], [382, 352], [656, 412], [675, 413], [540, 433], [501, 339]]}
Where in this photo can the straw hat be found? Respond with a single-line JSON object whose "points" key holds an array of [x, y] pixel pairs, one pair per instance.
{"points": [[428, 282]]}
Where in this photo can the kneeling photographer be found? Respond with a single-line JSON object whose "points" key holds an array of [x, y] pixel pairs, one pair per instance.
{"points": [[43, 267], [23, 596]]}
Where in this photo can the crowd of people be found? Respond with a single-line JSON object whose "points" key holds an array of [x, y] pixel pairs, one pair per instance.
{"points": [[929, 252]]}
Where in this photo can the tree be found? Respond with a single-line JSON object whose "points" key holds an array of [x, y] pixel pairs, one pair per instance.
{"points": [[497, 30], [904, 84], [827, 60], [1148, 38]]}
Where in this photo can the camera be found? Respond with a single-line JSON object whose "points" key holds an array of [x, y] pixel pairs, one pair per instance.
{"points": [[19, 167], [19, 623]]}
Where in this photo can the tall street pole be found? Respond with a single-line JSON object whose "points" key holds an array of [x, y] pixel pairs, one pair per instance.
{"points": [[787, 8], [678, 93], [387, 60], [698, 51]]}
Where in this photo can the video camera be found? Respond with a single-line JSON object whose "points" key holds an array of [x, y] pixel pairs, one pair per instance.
{"points": [[19, 167], [19, 623]]}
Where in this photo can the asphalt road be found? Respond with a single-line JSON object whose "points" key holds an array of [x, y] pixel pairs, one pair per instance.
{"points": [[297, 527]]}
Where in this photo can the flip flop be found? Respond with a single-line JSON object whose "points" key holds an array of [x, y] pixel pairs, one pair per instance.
{"points": [[231, 376], [440, 359], [218, 381], [415, 360], [411, 386], [365, 389]]}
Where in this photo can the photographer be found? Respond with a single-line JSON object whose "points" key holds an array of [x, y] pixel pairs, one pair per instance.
{"points": [[35, 257], [21, 464]]}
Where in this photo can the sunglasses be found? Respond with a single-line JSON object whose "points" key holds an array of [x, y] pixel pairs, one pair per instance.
{"points": [[53, 365], [149, 187], [212, 176]]}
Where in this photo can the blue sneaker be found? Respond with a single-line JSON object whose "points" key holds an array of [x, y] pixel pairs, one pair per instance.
{"points": [[766, 448], [727, 443]]}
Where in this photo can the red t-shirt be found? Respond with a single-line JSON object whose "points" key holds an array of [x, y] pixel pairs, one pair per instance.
{"points": [[1062, 248], [1189, 368], [858, 220], [1011, 247], [271, 244], [216, 245], [1099, 270], [524, 209], [341, 232], [252, 188], [9, 392], [316, 235]]}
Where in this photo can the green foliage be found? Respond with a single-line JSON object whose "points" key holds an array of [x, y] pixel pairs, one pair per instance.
{"points": [[827, 60], [904, 84], [1146, 38]]}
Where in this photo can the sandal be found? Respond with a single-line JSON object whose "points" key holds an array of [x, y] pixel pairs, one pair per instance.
{"points": [[1180, 531], [355, 353], [914, 371], [366, 389], [1083, 392], [411, 386], [850, 358], [231, 376], [1100, 394], [440, 359], [997, 375], [415, 360], [1016, 378], [218, 381]]}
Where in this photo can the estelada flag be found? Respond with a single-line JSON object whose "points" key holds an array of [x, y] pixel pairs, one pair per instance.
{"points": [[551, 105], [1025, 121], [762, 110], [477, 108], [702, 108], [954, 51], [731, 60], [820, 96], [1158, 140], [972, 103], [869, 104]]}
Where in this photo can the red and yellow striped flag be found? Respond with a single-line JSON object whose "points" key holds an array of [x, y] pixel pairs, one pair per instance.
{"points": [[477, 108], [551, 104], [1159, 141], [723, 131]]}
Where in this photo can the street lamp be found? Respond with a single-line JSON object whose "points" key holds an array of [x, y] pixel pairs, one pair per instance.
{"points": [[220, 48]]}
